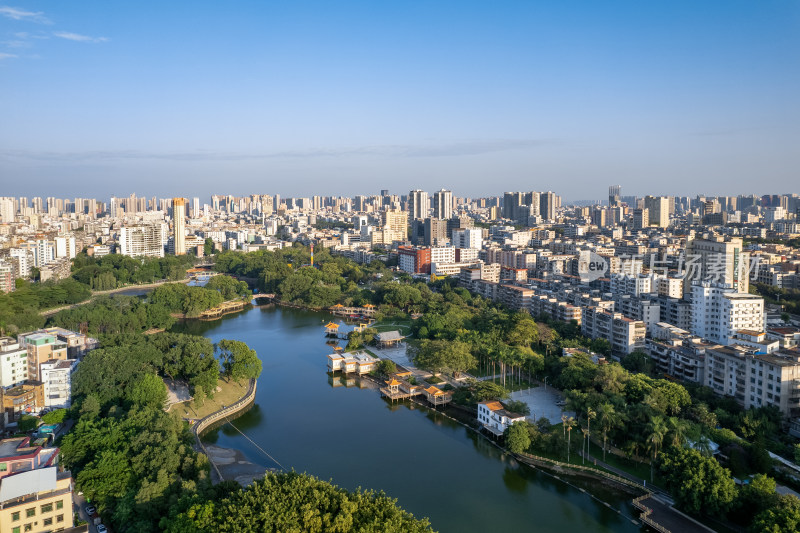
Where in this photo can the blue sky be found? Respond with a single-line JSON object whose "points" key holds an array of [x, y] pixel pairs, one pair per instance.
{"points": [[301, 98]]}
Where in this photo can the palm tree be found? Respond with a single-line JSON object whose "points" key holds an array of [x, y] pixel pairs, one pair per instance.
{"points": [[657, 431], [570, 423], [584, 445], [609, 419], [564, 423], [677, 430], [590, 413]]}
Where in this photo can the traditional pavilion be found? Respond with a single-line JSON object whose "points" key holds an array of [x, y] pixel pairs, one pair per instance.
{"points": [[388, 339], [437, 396]]}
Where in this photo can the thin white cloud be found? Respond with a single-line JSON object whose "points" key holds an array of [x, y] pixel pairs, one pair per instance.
{"points": [[79, 38], [4, 55], [16, 44], [16, 13], [455, 149]]}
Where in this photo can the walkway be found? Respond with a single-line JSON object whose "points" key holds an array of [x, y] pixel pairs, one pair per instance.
{"points": [[95, 294]]}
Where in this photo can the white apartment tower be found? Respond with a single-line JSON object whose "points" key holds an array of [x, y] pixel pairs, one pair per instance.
{"points": [[418, 204], [443, 204], [142, 241], [719, 312], [179, 225]]}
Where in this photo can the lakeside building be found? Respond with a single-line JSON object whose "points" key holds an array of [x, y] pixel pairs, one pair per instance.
{"points": [[495, 418], [355, 362]]}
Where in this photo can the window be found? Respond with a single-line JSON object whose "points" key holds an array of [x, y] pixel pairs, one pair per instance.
{"points": [[15, 516], [28, 527], [30, 512], [60, 518], [3, 467], [46, 508], [60, 504], [15, 530], [48, 522]]}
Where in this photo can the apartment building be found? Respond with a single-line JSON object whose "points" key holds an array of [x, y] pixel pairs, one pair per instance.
{"points": [[13, 362], [717, 260], [57, 379], [624, 334], [515, 297], [42, 347], [143, 241], [756, 380], [718, 312], [678, 353], [36, 501]]}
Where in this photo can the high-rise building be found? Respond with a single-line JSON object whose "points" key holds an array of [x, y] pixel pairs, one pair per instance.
{"points": [[468, 238], [718, 260], [179, 225], [442, 204], [614, 195], [435, 231], [511, 203], [7, 211], [65, 246], [658, 206], [142, 241], [641, 218], [418, 204], [719, 313], [548, 201]]}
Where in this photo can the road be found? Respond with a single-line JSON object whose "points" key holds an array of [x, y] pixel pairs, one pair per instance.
{"points": [[80, 507], [95, 294]]}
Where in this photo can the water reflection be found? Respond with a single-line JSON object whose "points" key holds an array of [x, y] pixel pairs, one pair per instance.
{"points": [[323, 424]]}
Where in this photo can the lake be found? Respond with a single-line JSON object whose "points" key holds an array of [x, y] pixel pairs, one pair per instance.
{"points": [[435, 467]]}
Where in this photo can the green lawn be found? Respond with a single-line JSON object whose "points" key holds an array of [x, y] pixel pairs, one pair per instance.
{"points": [[231, 392]]}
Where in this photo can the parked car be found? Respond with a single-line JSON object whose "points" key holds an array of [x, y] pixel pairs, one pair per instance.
{"points": [[101, 528], [90, 510]]}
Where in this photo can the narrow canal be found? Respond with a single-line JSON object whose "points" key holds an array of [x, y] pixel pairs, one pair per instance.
{"points": [[351, 436]]}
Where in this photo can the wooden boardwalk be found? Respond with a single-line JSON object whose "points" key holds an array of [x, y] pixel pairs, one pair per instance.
{"points": [[222, 309], [666, 519]]}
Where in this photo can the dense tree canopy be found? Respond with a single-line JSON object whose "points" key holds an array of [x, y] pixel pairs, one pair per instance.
{"points": [[698, 483], [297, 502]]}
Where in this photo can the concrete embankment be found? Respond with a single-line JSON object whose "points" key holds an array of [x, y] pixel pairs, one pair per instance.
{"points": [[226, 463]]}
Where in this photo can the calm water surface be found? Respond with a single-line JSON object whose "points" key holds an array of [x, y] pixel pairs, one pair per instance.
{"points": [[433, 466]]}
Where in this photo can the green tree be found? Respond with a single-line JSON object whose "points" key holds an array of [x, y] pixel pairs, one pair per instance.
{"points": [[698, 483], [637, 361], [296, 502], [517, 406], [444, 356], [54, 417], [238, 360], [28, 423], [387, 367], [609, 419], [148, 391], [785, 516], [518, 438]]}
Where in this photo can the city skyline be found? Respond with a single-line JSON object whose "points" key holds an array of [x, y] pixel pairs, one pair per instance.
{"points": [[300, 100]]}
